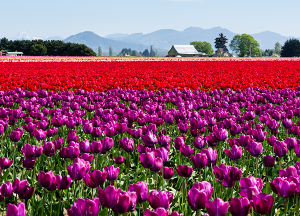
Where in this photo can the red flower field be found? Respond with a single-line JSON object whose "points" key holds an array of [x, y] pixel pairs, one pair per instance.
{"points": [[63, 73]]}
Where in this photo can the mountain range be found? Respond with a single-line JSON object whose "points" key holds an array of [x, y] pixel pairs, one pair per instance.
{"points": [[162, 40]]}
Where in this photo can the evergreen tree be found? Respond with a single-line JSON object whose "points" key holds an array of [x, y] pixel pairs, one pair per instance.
{"points": [[146, 53], [220, 41], [152, 53], [291, 48], [99, 51], [111, 51]]}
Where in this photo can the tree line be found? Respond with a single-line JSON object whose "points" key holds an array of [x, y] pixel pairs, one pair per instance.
{"points": [[245, 45], [47, 47]]}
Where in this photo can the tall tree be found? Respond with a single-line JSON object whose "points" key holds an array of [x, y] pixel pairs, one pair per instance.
{"points": [[204, 47], [111, 51], [278, 48], [244, 45], [4, 43], [152, 53], [291, 48], [146, 53], [38, 50], [220, 41], [99, 51]]}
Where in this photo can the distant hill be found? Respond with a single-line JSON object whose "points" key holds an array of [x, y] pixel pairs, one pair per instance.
{"points": [[118, 35], [165, 38], [93, 40], [54, 38]]}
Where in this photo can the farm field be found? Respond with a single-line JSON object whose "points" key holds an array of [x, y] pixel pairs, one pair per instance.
{"points": [[149, 136]]}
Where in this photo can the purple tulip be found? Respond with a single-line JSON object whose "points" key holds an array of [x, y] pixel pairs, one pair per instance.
{"points": [[217, 207], [164, 140], [72, 136], [235, 153], [87, 128], [141, 189], [199, 160], [179, 141], [291, 142], [288, 172], [199, 142], [287, 123], [251, 181], [15, 135], [271, 140], [168, 118], [249, 192], [149, 139], [221, 172], [186, 150], [95, 179], [63, 182], [147, 159], [220, 134], [112, 172], [157, 212], [255, 149], [136, 133], [30, 127], [19, 186], [85, 207], [63, 153], [211, 156], [239, 206], [126, 200], [121, 127], [49, 148], [29, 163], [245, 140], [107, 143], [280, 148], [18, 210], [119, 160], [206, 186], [109, 131], [85, 146], [127, 144], [57, 121], [235, 173], [87, 157], [236, 129], [109, 197], [73, 152], [176, 214], [58, 142], [269, 161], [259, 135], [96, 146], [7, 189], [5, 163], [263, 203], [283, 187], [168, 172], [27, 193], [160, 199], [163, 154], [184, 171], [297, 150], [78, 169], [183, 128], [47, 180], [196, 198], [97, 132], [158, 164]]}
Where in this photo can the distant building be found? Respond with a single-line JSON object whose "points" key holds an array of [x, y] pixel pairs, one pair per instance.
{"points": [[184, 51], [5, 53], [223, 51]]}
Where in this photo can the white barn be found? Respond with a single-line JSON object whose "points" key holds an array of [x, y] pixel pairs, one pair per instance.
{"points": [[184, 51]]}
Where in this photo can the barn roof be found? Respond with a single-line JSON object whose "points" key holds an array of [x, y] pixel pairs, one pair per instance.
{"points": [[186, 49]]}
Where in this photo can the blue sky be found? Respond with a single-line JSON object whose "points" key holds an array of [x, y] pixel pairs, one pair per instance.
{"points": [[45, 18]]}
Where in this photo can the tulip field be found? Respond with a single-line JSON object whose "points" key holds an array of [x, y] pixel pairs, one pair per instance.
{"points": [[112, 136]]}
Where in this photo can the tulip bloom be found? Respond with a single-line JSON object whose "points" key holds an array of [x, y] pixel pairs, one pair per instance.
{"points": [[162, 153], [280, 148], [63, 182], [199, 142], [199, 160], [7, 189], [107, 143], [127, 201], [255, 149], [119, 160], [147, 159], [291, 142], [269, 161], [141, 189], [164, 140], [184, 171], [18, 210], [127, 144], [157, 212], [283, 187], [19, 186], [78, 169], [5, 163], [220, 134], [239, 206], [179, 141], [186, 150], [95, 179], [217, 207], [211, 156], [160, 199], [263, 203], [109, 197], [251, 181], [149, 139], [85, 146], [196, 198], [85, 207], [235, 153], [47, 180], [168, 172], [39, 134], [112, 172]]}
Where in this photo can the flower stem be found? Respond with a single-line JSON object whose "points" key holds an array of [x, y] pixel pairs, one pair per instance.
{"points": [[51, 203], [14, 172], [44, 201], [59, 202], [285, 206], [280, 163], [149, 178], [74, 190], [256, 167]]}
